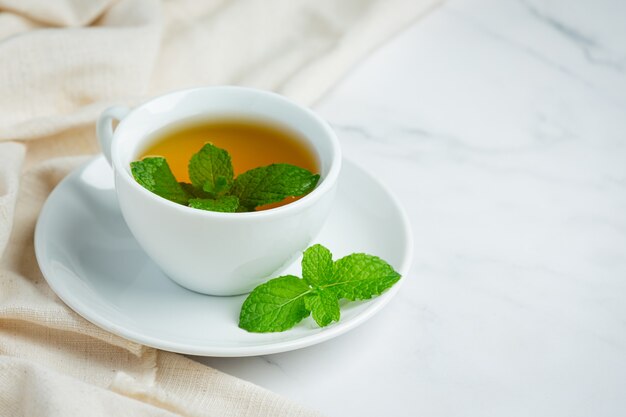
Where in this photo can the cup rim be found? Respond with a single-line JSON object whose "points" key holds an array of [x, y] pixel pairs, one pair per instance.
{"points": [[324, 185]]}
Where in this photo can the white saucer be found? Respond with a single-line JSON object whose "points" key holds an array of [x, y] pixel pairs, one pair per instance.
{"points": [[92, 262]]}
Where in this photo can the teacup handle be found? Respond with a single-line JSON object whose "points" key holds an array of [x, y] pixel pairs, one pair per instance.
{"points": [[104, 128]]}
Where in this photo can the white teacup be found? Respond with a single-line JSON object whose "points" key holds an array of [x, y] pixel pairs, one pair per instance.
{"points": [[210, 252]]}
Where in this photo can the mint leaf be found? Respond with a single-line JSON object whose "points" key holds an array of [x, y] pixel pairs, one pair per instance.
{"points": [[211, 169], [194, 192], [220, 185], [275, 306], [225, 204], [360, 276], [271, 184], [155, 175], [324, 306], [317, 265]]}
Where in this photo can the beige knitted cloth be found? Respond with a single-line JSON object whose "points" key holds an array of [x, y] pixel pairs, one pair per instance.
{"points": [[61, 63]]}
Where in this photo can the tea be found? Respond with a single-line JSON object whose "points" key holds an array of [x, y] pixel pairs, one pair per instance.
{"points": [[251, 144]]}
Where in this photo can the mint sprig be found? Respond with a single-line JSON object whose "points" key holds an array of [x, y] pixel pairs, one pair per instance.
{"points": [[281, 303], [213, 186]]}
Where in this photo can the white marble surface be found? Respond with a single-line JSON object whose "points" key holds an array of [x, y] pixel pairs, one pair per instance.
{"points": [[501, 125]]}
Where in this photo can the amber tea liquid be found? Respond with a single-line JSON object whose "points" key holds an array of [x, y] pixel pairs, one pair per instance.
{"points": [[251, 144]]}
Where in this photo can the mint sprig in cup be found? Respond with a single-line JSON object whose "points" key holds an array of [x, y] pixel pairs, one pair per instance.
{"points": [[214, 187]]}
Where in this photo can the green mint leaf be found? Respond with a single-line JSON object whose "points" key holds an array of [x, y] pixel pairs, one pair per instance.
{"points": [[317, 265], [324, 306], [225, 204], [155, 175], [194, 192], [275, 306], [211, 169], [271, 184], [220, 186], [360, 276]]}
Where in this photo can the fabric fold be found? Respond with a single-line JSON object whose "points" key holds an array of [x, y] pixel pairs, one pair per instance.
{"points": [[56, 78]]}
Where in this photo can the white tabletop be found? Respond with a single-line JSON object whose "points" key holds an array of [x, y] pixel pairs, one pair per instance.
{"points": [[501, 126]]}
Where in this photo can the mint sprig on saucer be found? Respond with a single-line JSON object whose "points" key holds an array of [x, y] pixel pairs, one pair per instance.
{"points": [[213, 186], [281, 303]]}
